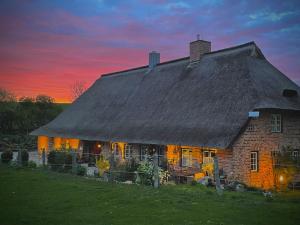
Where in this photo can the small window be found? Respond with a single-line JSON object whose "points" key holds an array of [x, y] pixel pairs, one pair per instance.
{"points": [[295, 154], [206, 154], [276, 123], [128, 151], [143, 152], [254, 161], [187, 157], [116, 150], [251, 128], [275, 158], [208, 157]]}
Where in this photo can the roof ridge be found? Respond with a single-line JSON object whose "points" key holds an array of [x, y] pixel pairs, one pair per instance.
{"points": [[183, 58], [146, 66], [232, 48]]}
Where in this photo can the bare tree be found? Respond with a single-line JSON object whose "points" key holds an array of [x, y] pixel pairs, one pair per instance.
{"points": [[6, 96], [77, 89]]}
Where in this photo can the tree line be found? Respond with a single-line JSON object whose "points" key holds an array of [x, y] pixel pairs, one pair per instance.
{"points": [[23, 115]]}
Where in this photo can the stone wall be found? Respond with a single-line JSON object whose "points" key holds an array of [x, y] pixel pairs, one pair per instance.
{"points": [[258, 137]]}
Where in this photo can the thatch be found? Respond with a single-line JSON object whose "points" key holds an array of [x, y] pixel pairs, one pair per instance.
{"points": [[200, 104]]}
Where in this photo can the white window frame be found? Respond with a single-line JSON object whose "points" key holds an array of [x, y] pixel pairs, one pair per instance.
{"points": [[209, 158], [254, 161], [186, 159], [116, 150], [251, 128], [128, 151], [144, 151], [295, 154], [276, 123]]}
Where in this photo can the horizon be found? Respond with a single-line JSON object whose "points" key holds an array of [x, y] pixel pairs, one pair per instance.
{"points": [[46, 46]]}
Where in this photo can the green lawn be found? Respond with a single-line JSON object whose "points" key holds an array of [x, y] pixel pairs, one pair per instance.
{"points": [[40, 197]]}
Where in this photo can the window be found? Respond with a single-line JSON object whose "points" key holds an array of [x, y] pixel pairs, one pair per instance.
{"points": [[143, 152], [187, 157], [275, 158], [254, 161], [116, 150], [208, 156], [295, 154], [276, 123], [251, 128], [128, 151]]}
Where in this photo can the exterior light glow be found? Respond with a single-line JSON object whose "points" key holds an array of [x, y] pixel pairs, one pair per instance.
{"points": [[99, 146], [281, 178]]}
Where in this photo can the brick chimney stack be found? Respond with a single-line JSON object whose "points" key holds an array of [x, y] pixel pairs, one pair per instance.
{"points": [[198, 48]]}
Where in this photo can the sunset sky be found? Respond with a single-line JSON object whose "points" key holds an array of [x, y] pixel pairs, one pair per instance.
{"points": [[47, 45]]}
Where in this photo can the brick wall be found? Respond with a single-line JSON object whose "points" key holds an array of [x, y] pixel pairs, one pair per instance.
{"points": [[258, 137]]}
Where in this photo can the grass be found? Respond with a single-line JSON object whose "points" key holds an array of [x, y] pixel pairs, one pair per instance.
{"points": [[41, 197]]}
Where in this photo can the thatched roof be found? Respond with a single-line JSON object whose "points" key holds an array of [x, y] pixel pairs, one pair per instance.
{"points": [[205, 103]]}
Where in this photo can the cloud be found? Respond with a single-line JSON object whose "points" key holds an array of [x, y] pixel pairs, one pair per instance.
{"points": [[52, 43], [271, 16]]}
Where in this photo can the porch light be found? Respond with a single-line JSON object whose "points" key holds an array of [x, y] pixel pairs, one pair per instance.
{"points": [[280, 178], [98, 145]]}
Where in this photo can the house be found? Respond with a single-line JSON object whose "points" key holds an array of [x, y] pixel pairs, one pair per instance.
{"points": [[230, 103]]}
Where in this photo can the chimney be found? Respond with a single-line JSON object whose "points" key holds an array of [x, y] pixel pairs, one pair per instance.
{"points": [[198, 48], [154, 59]]}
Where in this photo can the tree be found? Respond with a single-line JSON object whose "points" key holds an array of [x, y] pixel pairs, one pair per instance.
{"points": [[77, 89], [6, 96], [8, 106]]}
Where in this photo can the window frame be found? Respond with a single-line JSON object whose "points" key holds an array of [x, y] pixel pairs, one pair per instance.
{"points": [[276, 123], [295, 156], [128, 151], [187, 162], [144, 150], [116, 150], [254, 164]]}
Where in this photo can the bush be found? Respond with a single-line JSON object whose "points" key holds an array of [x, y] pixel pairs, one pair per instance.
{"points": [[81, 171], [51, 157], [60, 161], [102, 165], [6, 156], [146, 172], [24, 157], [194, 183], [32, 164]]}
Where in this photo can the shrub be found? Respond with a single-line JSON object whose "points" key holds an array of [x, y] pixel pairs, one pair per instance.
{"points": [[51, 157], [102, 165], [68, 162], [56, 160], [81, 171], [146, 172], [194, 183], [24, 157], [31, 164], [6, 156]]}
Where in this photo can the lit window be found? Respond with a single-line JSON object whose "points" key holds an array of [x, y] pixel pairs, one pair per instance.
{"points": [[187, 157], [254, 161], [128, 151], [208, 157], [116, 150], [276, 123]]}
